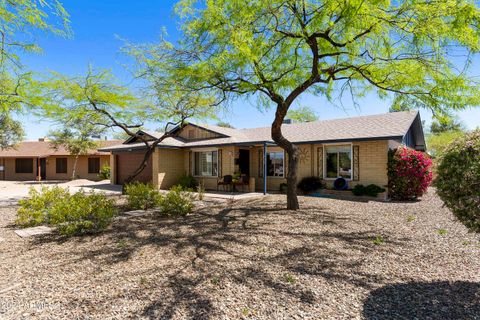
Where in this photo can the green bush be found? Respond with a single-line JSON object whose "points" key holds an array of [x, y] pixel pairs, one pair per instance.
{"points": [[82, 213], [75, 214], [310, 184], [104, 173], [187, 182], [35, 210], [371, 190], [458, 180], [141, 196], [176, 202]]}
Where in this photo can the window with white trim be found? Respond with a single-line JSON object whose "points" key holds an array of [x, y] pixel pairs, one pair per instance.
{"points": [[205, 163], [338, 161], [275, 164]]}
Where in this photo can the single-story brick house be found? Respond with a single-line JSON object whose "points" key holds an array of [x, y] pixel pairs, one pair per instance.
{"points": [[354, 148], [38, 160]]}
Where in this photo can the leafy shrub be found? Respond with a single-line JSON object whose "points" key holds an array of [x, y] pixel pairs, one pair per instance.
{"points": [[371, 190], [175, 202], [187, 182], [409, 173], [104, 173], [82, 213], [378, 240], [310, 184], [283, 187], [141, 196], [75, 214], [35, 210], [458, 181]]}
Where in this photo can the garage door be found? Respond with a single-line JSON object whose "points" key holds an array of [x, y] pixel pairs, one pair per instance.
{"points": [[127, 163]]}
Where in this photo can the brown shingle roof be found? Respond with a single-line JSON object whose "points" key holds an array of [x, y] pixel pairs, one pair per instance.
{"points": [[381, 126], [44, 149]]}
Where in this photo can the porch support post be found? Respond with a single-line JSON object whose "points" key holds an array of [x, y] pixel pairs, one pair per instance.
{"points": [[39, 176], [264, 168]]}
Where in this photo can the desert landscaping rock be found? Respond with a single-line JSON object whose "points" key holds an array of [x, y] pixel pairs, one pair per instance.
{"points": [[34, 231], [138, 213], [251, 259]]}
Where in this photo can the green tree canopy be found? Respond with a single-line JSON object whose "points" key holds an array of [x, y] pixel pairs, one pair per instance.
{"points": [[97, 101], [224, 124], [302, 114], [75, 136], [19, 20], [445, 124], [11, 131], [277, 50]]}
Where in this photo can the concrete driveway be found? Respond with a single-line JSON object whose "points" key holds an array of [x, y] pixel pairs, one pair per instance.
{"points": [[12, 191]]}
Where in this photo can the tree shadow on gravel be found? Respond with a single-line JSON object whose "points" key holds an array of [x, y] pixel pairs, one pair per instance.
{"points": [[217, 245], [424, 300]]}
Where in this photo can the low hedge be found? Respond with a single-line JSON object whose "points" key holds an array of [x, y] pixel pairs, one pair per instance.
{"points": [[371, 190], [76, 214]]}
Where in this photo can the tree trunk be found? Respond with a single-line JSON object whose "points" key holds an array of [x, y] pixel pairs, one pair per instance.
{"points": [[141, 167], [74, 167], [292, 152]]}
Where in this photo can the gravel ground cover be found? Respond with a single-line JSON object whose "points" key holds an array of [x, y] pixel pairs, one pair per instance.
{"points": [[333, 259]]}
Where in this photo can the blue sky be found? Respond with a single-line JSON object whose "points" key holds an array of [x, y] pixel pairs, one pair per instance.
{"points": [[97, 25]]}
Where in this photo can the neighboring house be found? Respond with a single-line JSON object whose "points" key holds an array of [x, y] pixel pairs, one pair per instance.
{"points": [[353, 148], [38, 160]]}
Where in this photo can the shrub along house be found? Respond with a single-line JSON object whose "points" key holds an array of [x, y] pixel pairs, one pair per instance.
{"points": [[353, 148], [37, 160]]}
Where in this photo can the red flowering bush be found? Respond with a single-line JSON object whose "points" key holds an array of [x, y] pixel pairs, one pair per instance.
{"points": [[409, 173]]}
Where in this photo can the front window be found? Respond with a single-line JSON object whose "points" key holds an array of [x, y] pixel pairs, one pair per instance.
{"points": [[93, 165], [24, 165], [206, 163], [61, 165], [339, 162], [275, 164]]}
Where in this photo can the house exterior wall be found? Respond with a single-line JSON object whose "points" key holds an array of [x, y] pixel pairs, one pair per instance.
{"points": [[373, 157], [168, 166], [81, 171], [9, 171], [227, 165]]}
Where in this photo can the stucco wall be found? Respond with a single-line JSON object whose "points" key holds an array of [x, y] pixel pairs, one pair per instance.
{"points": [[81, 171], [9, 171]]}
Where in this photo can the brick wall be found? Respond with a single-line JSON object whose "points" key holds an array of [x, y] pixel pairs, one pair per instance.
{"points": [[168, 166]]}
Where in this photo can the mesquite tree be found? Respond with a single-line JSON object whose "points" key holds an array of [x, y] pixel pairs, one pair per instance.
{"points": [[277, 50], [96, 101], [19, 21]]}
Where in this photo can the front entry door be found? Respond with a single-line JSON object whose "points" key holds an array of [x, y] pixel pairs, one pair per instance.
{"points": [[244, 161]]}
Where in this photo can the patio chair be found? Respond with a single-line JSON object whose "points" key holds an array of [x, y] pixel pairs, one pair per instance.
{"points": [[243, 181], [225, 181]]}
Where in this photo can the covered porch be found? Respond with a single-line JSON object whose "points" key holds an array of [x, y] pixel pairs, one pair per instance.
{"points": [[239, 168]]}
